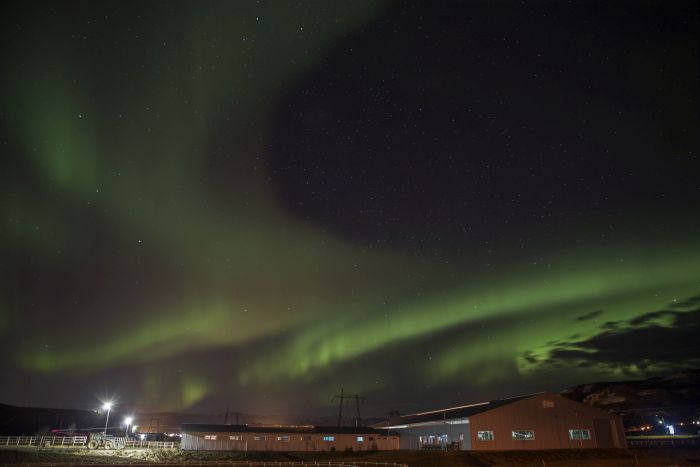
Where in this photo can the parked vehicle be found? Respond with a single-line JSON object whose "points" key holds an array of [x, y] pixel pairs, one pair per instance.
{"points": [[99, 440]]}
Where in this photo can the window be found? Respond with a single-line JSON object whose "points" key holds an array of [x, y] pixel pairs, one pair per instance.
{"points": [[329, 438], [284, 438], [360, 439], [259, 438], [235, 438], [526, 435], [484, 435], [579, 434], [213, 437]]}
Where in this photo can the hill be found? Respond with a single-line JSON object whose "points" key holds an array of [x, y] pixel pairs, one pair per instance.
{"points": [[658, 401]]}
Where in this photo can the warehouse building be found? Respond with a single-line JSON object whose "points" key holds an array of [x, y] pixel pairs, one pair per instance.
{"points": [[536, 421], [199, 437]]}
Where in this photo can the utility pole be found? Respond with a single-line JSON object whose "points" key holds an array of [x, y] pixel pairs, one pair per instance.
{"points": [[341, 398], [340, 411]]}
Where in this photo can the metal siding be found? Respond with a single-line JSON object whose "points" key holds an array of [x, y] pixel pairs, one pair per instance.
{"points": [[550, 424], [297, 442], [467, 445], [620, 430], [603, 433]]}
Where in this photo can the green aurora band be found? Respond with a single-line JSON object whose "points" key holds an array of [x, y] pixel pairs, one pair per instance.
{"points": [[246, 272]]}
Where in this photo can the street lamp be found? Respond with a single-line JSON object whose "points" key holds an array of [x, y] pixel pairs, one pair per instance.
{"points": [[127, 422], [108, 407]]}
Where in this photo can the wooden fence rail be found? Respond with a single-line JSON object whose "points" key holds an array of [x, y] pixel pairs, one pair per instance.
{"points": [[225, 464], [77, 441], [66, 441]]}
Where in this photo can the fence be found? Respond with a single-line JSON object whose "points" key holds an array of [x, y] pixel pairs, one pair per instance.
{"points": [[231, 464], [66, 441], [78, 441], [149, 444], [663, 441]]}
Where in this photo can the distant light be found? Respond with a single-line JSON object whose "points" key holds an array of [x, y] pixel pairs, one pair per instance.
{"points": [[671, 430], [107, 405], [660, 422], [128, 420], [143, 436]]}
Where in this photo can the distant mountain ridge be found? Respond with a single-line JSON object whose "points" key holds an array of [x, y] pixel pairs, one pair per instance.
{"points": [[674, 397], [31, 421]]}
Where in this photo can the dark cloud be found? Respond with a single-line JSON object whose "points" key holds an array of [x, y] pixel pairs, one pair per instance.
{"points": [[589, 316], [659, 339], [651, 317], [610, 325]]}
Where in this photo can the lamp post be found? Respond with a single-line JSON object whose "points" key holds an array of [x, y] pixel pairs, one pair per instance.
{"points": [[107, 406], [127, 422]]}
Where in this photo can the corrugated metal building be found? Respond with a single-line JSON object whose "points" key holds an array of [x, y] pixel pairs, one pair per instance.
{"points": [[536, 421], [199, 437]]}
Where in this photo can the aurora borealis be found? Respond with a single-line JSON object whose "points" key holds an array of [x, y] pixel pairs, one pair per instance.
{"points": [[253, 204]]}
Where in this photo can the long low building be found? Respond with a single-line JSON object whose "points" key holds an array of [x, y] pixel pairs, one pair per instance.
{"points": [[536, 421], [200, 437]]}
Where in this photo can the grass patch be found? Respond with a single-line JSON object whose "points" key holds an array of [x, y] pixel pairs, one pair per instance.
{"points": [[645, 457]]}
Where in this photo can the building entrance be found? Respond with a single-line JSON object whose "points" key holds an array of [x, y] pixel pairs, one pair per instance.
{"points": [[436, 442]]}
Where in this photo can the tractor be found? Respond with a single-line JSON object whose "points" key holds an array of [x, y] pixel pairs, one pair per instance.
{"points": [[99, 440]]}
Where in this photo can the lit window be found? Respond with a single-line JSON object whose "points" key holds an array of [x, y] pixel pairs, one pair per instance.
{"points": [[329, 438], [580, 434], [259, 438], [484, 435], [213, 437], [360, 439], [526, 435], [284, 438], [235, 438]]}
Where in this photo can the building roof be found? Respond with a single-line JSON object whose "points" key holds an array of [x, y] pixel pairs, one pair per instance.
{"points": [[206, 428], [463, 411]]}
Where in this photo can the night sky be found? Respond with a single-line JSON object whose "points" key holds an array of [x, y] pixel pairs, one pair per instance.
{"points": [[255, 203]]}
